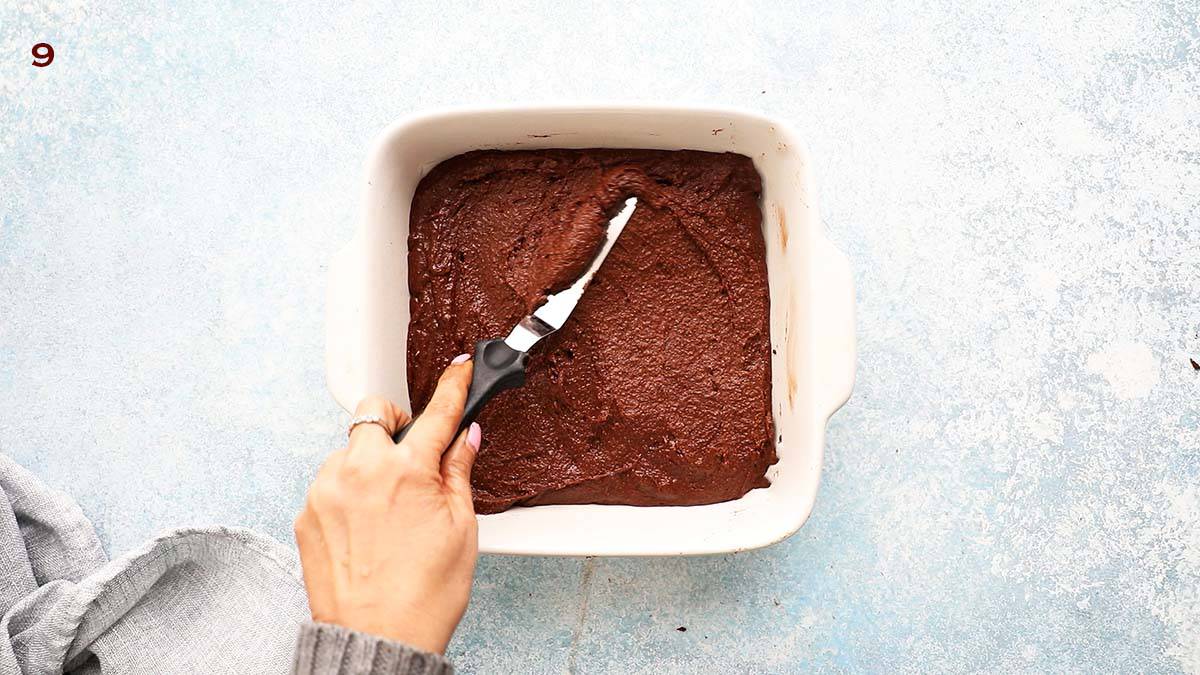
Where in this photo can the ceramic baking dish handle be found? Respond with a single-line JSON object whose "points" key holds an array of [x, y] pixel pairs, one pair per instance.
{"points": [[344, 328], [834, 339]]}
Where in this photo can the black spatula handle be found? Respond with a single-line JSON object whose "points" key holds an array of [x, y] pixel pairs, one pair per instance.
{"points": [[497, 367]]}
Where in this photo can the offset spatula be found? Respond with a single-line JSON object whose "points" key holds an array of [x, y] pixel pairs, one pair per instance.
{"points": [[500, 363]]}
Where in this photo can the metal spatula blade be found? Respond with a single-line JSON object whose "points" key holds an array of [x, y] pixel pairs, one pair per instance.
{"points": [[557, 308]]}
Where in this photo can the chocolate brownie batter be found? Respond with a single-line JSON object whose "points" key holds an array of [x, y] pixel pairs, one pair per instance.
{"points": [[658, 389]]}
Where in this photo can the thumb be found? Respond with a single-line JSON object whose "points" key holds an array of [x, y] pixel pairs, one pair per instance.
{"points": [[458, 460]]}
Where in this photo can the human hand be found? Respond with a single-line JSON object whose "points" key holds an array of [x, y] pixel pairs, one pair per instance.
{"points": [[388, 537]]}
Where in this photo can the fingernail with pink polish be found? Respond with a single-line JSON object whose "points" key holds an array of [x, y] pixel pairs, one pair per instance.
{"points": [[474, 435], [461, 358]]}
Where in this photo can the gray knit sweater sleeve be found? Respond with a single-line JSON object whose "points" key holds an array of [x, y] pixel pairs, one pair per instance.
{"points": [[326, 649]]}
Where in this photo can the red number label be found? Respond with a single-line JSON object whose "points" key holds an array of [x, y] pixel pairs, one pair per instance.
{"points": [[43, 54]]}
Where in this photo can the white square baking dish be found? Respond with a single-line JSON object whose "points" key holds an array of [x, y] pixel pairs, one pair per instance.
{"points": [[812, 313]]}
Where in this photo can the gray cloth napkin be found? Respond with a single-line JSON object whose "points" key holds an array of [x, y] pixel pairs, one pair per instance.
{"points": [[211, 600]]}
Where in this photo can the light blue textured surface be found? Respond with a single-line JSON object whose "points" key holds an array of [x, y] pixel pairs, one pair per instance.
{"points": [[1014, 484]]}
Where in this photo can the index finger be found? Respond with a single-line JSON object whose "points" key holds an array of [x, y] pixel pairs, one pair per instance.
{"points": [[437, 425]]}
